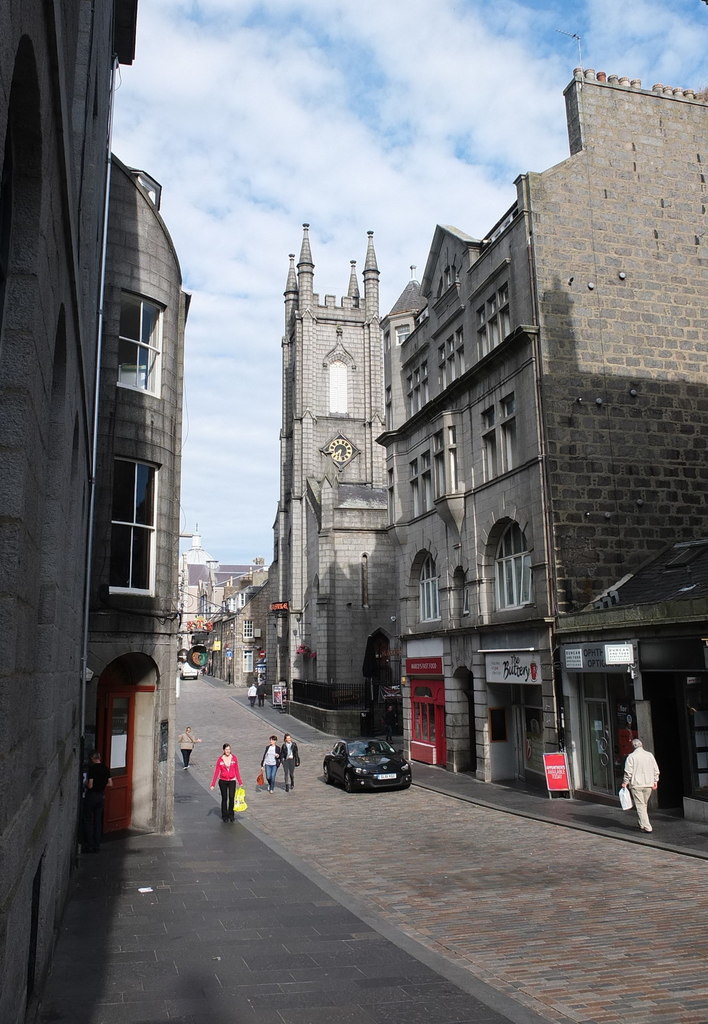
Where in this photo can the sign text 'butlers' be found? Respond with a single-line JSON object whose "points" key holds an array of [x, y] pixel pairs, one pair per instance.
{"points": [[513, 667]]}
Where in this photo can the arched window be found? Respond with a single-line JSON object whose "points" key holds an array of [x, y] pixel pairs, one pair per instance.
{"points": [[513, 569], [428, 590], [338, 386]]}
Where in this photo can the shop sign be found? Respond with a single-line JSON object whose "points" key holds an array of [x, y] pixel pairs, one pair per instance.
{"points": [[424, 666], [280, 606], [512, 667], [556, 769], [597, 657]]}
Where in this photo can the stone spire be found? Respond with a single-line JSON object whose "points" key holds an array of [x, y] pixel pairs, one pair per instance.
{"points": [[305, 269], [353, 291], [291, 289], [371, 279]]}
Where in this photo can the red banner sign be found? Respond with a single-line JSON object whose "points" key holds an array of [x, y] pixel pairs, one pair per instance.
{"points": [[424, 666]]}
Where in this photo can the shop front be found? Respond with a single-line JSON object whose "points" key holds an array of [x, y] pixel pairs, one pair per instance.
{"points": [[515, 716], [599, 687], [427, 698]]}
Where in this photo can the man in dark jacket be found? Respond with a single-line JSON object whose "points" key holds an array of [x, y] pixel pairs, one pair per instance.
{"points": [[98, 779]]}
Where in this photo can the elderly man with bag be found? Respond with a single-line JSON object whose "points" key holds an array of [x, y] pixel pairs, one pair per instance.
{"points": [[641, 775]]}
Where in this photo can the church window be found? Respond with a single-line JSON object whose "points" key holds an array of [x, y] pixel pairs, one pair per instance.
{"points": [[338, 386]]}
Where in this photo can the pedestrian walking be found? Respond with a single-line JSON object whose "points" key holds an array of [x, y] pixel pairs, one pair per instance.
{"points": [[641, 775], [187, 741], [290, 760], [270, 762], [98, 780], [261, 694], [227, 774], [252, 694], [390, 719]]}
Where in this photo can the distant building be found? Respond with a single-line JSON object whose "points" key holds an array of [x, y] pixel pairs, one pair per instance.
{"points": [[546, 408]]}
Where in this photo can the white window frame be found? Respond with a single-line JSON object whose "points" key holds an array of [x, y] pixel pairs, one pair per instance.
{"points": [[139, 359], [248, 629], [140, 528], [428, 590], [512, 570], [248, 659]]}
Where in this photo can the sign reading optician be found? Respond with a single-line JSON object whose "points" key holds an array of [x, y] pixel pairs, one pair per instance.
{"points": [[512, 667], [597, 657]]}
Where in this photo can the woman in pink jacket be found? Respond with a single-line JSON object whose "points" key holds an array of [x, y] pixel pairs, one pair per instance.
{"points": [[227, 775]]}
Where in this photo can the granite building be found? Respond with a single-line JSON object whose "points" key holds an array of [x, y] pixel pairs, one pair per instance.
{"points": [[77, 632], [332, 569], [546, 409]]}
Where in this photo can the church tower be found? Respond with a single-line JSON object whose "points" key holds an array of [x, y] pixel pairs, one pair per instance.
{"points": [[333, 552]]}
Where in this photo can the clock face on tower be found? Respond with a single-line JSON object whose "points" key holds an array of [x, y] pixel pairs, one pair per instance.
{"points": [[340, 450]]}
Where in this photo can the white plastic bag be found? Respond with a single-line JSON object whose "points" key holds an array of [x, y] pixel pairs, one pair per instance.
{"points": [[625, 799]]}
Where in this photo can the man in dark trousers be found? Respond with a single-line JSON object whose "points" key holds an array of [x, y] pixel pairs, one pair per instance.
{"points": [[261, 693], [390, 722], [98, 778]]}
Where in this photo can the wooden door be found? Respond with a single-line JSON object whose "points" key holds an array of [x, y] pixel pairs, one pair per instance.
{"points": [[115, 732]]}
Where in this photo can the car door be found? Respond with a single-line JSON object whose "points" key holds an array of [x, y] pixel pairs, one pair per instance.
{"points": [[339, 761]]}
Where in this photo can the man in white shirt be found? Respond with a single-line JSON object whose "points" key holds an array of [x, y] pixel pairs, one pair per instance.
{"points": [[641, 775]]}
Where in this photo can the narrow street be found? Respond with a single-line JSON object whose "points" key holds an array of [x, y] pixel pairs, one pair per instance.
{"points": [[572, 925]]}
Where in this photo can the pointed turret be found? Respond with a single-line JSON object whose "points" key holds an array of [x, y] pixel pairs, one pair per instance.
{"points": [[291, 290], [305, 269], [353, 291], [371, 279]]}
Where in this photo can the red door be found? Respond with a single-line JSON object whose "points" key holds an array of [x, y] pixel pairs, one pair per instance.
{"points": [[428, 742], [115, 732]]}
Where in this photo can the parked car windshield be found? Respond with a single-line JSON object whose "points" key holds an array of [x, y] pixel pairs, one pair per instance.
{"points": [[365, 748]]}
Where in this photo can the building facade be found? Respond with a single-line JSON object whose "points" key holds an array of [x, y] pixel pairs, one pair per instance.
{"points": [[332, 568], [545, 426], [56, 72], [64, 352], [133, 612]]}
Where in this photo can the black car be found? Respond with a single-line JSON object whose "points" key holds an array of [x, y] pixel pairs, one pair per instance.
{"points": [[366, 764]]}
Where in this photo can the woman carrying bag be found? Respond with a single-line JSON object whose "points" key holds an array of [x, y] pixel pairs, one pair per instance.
{"points": [[226, 773]]}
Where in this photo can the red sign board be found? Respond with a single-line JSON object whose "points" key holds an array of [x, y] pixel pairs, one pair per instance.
{"points": [[556, 769], [424, 667]]}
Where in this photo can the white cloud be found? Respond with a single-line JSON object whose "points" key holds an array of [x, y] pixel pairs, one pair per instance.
{"points": [[258, 116]]}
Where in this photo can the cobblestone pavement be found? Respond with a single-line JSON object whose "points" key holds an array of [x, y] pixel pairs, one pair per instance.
{"points": [[572, 925]]}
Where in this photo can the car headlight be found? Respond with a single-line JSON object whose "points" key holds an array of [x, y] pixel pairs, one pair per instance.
{"points": [[360, 771], [405, 767]]}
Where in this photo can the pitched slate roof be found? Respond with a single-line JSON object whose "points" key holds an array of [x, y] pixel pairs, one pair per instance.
{"points": [[679, 573]]}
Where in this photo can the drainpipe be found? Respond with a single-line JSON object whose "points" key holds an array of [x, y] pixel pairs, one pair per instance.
{"points": [[96, 403]]}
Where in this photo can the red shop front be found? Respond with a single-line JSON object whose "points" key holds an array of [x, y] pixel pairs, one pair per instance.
{"points": [[427, 688]]}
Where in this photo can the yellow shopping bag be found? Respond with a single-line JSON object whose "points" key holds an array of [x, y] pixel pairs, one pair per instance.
{"points": [[240, 799]]}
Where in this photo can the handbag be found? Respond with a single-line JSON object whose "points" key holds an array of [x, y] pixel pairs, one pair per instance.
{"points": [[240, 799], [260, 781], [625, 798]]}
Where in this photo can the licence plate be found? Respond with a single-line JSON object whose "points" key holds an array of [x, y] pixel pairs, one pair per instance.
{"points": [[382, 778]]}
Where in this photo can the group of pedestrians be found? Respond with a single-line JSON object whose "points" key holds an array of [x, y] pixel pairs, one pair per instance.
{"points": [[257, 692], [227, 773]]}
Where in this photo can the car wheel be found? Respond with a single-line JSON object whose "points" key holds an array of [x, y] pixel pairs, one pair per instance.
{"points": [[327, 774], [348, 782]]}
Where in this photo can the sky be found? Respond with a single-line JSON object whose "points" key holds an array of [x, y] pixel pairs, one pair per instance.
{"points": [[257, 116]]}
